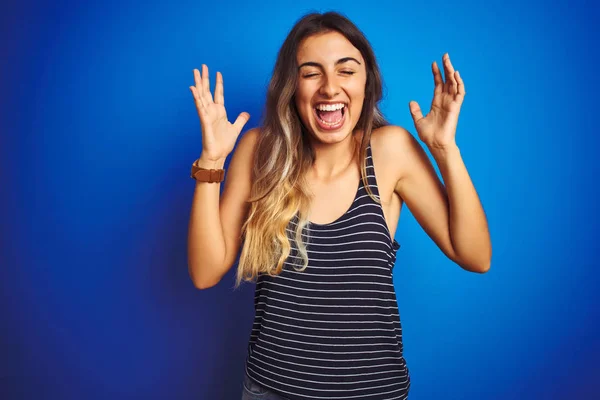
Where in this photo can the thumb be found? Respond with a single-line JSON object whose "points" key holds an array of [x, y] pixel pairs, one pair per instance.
{"points": [[415, 111], [241, 121]]}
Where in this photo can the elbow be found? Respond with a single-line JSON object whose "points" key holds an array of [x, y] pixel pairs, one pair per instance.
{"points": [[487, 263], [200, 281], [483, 267], [473, 256], [480, 266], [199, 284], [478, 261]]}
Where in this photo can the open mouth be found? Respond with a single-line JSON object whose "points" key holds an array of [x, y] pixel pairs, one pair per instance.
{"points": [[330, 116]]}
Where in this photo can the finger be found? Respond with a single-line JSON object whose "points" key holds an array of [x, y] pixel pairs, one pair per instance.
{"points": [[198, 93], [437, 76], [198, 81], [449, 72], [241, 121], [461, 87], [437, 81], [198, 100], [204, 100], [206, 84], [219, 99], [415, 111]]}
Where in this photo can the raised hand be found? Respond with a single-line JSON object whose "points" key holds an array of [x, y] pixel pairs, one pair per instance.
{"points": [[438, 128], [218, 134]]}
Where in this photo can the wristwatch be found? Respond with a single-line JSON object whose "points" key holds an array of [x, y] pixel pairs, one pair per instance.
{"points": [[206, 175]]}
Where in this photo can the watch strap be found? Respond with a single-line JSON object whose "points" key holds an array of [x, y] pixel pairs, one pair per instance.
{"points": [[207, 175]]}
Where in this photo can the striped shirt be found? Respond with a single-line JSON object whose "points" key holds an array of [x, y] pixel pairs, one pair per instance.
{"points": [[333, 330]]}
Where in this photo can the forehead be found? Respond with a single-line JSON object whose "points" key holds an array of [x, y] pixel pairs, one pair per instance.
{"points": [[326, 48]]}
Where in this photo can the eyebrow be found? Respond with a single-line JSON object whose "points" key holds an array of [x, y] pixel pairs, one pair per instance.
{"points": [[340, 61]]}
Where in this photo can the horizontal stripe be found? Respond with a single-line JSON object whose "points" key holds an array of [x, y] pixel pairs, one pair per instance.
{"points": [[341, 383], [332, 290], [269, 328], [320, 313], [394, 307], [326, 298], [280, 358], [344, 396], [332, 330]]}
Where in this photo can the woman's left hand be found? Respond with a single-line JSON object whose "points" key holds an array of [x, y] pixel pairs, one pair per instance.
{"points": [[438, 128]]}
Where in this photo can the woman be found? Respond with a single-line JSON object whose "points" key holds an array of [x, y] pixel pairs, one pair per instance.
{"points": [[327, 324]]}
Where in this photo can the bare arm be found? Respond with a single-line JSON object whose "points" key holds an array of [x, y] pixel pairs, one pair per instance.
{"points": [[214, 235], [206, 242], [450, 214], [215, 223], [467, 221]]}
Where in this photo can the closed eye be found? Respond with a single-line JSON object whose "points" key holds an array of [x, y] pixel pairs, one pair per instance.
{"points": [[348, 73]]}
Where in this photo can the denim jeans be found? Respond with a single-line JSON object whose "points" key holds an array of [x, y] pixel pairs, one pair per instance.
{"points": [[254, 391]]}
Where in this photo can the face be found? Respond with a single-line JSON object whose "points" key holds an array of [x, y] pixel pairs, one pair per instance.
{"points": [[331, 86]]}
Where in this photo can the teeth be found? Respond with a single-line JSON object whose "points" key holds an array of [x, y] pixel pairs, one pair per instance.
{"points": [[330, 107], [330, 123]]}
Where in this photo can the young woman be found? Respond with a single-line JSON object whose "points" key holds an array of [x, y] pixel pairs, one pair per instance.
{"points": [[313, 198]]}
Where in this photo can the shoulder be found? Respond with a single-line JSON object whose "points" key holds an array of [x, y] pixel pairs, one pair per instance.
{"points": [[247, 144], [393, 147], [244, 151], [250, 137], [389, 139], [400, 153]]}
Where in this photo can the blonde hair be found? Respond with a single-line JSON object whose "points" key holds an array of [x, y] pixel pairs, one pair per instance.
{"points": [[280, 192]]}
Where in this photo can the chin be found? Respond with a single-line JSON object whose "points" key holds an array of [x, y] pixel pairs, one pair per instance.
{"points": [[334, 137], [329, 136]]}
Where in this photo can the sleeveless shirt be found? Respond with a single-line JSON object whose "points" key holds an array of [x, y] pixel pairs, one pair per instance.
{"points": [[333, 330]]}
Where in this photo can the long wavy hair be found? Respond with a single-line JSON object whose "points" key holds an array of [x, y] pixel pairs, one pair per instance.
{"points": [[280, 193]]}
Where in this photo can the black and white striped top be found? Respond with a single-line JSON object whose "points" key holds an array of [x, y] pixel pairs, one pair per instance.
{"points": [[333, 331]]}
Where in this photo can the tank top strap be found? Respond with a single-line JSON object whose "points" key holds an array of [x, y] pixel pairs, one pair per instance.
{"points": [[372, 180], [371, 172]]}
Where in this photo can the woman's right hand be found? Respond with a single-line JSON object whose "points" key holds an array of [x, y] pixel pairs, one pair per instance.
{"points": [[218, 134]]}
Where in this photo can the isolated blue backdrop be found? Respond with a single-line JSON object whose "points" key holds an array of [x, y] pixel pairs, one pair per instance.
{"points": [[98, 132]]}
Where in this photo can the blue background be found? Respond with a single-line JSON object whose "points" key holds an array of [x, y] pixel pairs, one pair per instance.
{"points": [[98, 132]]}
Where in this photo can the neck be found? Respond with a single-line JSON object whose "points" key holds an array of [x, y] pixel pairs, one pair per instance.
{"points": [[333, 159]]}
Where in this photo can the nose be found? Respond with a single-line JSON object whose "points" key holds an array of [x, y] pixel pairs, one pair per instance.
{"points": [[330, 86]]}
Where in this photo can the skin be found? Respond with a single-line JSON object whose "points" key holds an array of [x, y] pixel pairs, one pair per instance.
{"points": [[332, 69], [449, 212]]}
